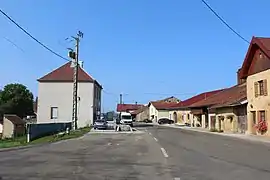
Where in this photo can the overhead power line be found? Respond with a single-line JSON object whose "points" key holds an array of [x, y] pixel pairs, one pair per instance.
{"points": [[224, 22], [14, 44], [35, 39]]}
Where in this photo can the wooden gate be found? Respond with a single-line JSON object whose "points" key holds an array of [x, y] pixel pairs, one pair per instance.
{"points": [[242, 123]]}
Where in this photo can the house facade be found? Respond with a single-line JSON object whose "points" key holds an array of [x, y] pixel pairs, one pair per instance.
{"points": [[55, 97], [223, 111], [159, 109], [181, 113], [142, 113], [256, 72], [13, 126]]}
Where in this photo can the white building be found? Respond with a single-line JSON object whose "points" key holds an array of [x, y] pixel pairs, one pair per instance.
{"points": [[55, 97]]}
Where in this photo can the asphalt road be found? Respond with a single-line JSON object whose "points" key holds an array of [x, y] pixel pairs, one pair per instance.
{"points": [[160, 153], [93, 157], [202, 156]]}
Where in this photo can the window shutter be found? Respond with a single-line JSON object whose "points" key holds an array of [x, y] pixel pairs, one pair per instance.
{"points": [[265, 87], [256, 87]]}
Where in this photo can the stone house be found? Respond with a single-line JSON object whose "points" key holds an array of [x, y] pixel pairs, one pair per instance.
{"points": [[159, 109], [229, 113], [223, 110], [13, 126], [256, 72], [181, 112], [55, 97], [142, 113]]}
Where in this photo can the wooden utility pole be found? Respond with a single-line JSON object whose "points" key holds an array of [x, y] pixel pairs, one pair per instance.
{"points": [[75, 60]]}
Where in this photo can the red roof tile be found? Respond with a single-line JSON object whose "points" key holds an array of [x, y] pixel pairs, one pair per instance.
{"points": [[256, 42], [163, 105], [65, 74], [194, 99], [225, 97], [141, 109], [128, 107]]}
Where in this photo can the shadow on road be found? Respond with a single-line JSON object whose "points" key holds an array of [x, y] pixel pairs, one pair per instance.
{"points": [[142, 125]]}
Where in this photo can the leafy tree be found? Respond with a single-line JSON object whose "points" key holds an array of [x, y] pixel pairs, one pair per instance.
{"points": [[16, 99]]}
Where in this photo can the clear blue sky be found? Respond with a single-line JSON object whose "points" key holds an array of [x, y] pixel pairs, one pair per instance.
{"points": [[146, 49]]}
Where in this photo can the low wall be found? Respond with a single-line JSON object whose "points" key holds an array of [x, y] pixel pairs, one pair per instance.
{"points": [[35, 131]]}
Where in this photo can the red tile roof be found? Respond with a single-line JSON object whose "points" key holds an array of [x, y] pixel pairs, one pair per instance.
{"points": [[225, 97], [139, 110], [163, 105], [194, 99], [65, 74], [256, 42], [128, 107]]}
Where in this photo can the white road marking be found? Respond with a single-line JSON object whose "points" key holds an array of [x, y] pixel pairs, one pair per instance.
{"points": [[177, 178], [155, 139], [150, 133], [164, 152]]}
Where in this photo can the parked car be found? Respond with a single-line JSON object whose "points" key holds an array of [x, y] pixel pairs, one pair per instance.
{"points": [[165, 121], [100, 124]]}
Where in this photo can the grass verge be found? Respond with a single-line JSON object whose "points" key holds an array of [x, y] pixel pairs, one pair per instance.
{"points": [[21, 141]]}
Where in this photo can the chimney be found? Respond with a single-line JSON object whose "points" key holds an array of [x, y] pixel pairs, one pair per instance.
{"points": [[136, 102], [239, 80]]}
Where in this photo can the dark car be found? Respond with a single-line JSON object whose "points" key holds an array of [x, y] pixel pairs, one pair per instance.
{"points": [[165, 121], [100, 124]]}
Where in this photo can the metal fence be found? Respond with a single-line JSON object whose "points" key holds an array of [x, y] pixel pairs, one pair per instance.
{"points": [[35, 131]]}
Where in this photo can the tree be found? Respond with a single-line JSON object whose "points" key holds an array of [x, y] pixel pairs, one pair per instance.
{"points": [[16, 99]]}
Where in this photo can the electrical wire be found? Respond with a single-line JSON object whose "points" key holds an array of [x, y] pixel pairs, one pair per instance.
{"points": [[224, 22], [35, 39], [14, 44]]}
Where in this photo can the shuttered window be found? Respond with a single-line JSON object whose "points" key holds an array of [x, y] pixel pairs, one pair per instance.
{"points": [[256, 87], [265, 87], [262, 116], [260, 88]]}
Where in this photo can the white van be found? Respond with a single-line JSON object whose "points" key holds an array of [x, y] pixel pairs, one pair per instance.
{"points": [[125, 118]]}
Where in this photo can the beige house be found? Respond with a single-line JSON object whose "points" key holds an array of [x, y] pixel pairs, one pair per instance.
{"points": [[159, 109], [142, 113], [223, 111], [256, 72], [181, 113], [13, 126], [55, 97]]}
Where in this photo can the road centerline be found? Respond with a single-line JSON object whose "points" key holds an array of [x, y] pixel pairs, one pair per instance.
{"points": [[164, 152]]}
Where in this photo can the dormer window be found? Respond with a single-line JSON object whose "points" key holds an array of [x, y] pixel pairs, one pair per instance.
{"points": [[260, 55]]}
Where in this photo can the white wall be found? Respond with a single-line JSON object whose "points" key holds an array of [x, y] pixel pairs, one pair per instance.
{"points": [[1, 128], [152, 111], [163, 114], [54, 94]]}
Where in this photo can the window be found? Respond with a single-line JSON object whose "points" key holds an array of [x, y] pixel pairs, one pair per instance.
{"points": [[54, 112], [253, 117], [260, 55], [187, 116], [262, 115], [260, 88]]}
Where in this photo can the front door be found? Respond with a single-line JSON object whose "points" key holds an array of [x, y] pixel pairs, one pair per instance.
{"points": [[175, 117]]}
